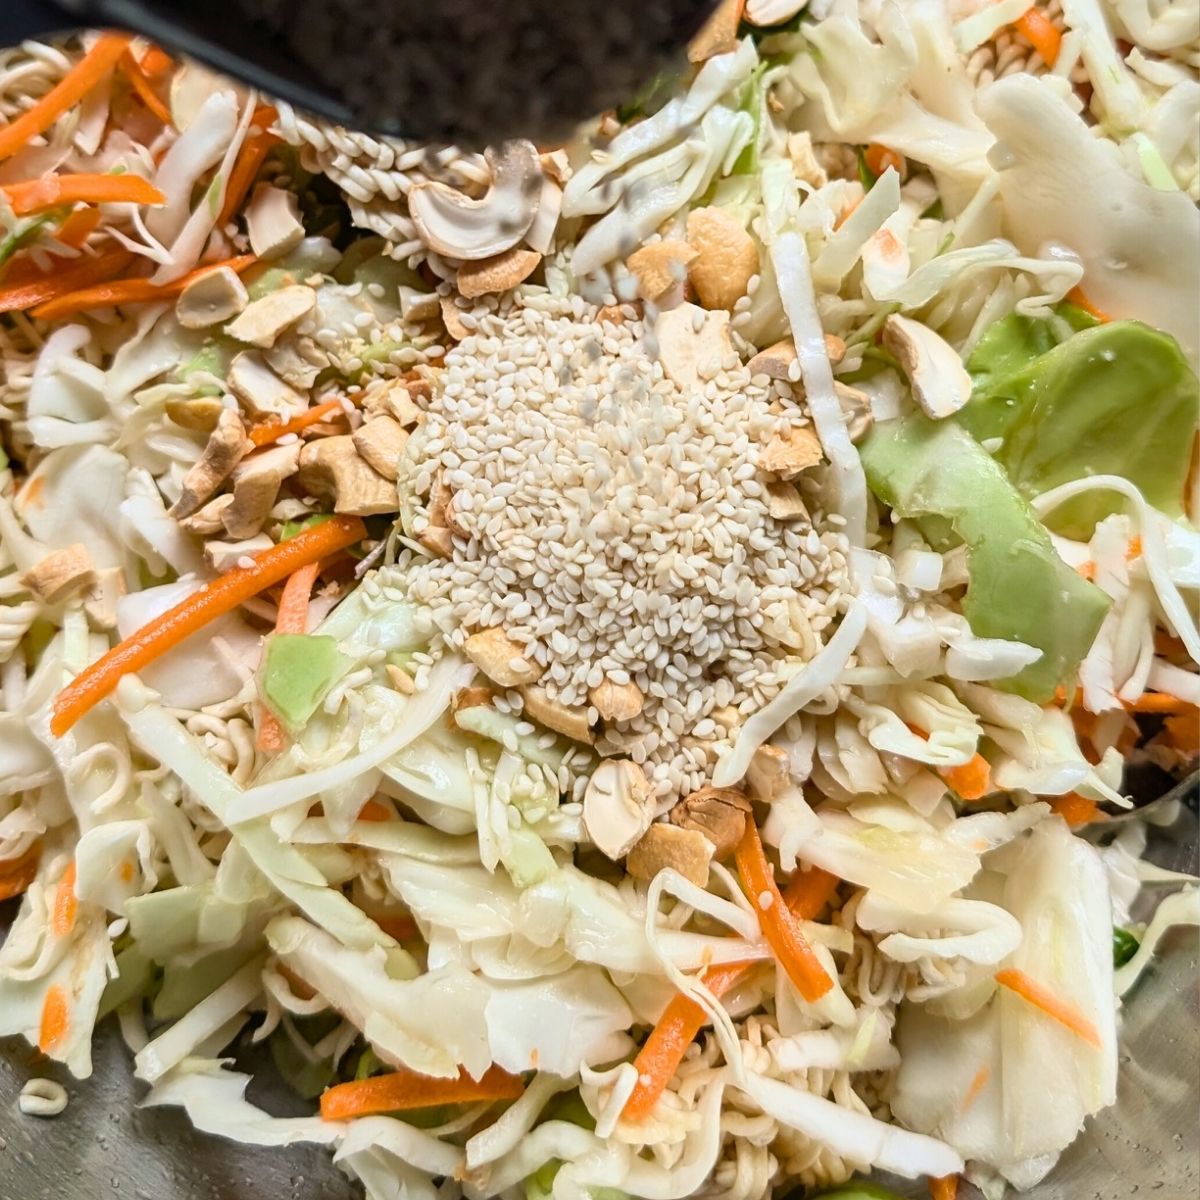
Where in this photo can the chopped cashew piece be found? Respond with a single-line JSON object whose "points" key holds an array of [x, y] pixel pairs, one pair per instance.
{"points": [[211, 299], [417, 304], [261, 323], [718, 35], [856, 409], [772, 12], [380, 440], [804, 160], [438, 540], [391, 398], [452, 319], [718, 813], [330, 467], [785, 503], [500, 273], [611, 313], [618, 807], [940, 383], [768, 773], [617, 701], [60, 574], [273, 221], [208, 521], [255, 484], [227, 446], [791, 451], [100, 603], [726, 257], [776, 361], [686, 850], [262, 393], [224, 556], [501, 659], [297, 360], [570, 722], [470, 697], [693, 343], [453, 224], [198, 413], [660, 267]]}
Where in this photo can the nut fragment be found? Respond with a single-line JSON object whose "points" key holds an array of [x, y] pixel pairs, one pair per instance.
{"points": [[500, 658], [60, 574], [500, 273], [940, 383], [330, 467], [255, 484], [210, 299], [776, 361], [618, 806], [785, 503], [693, 343], [772, 12], [791, 451], [262, 393], [685, 850], [660, 266], [273, 221], [198, 413], [224, 556], [610, 313], [570, 722], [208, 521], [380, 440], [856, 409], [452, 319], [718, 35], [726, 257], [100, 603], [804, 161], [42, 1098], [227, 446], [718, 813], [391, 398], [617, 701], [261, 323], [438, 540], [768, 773], [470, 697]]}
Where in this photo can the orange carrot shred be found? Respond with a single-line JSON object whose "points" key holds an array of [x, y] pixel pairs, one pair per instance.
{"points": [[1045, 36], [944, 1188], [262, 435], [1159, 702], [1183, 732], [808, 892], [975, 1090], [1075, 809], [878, 158], [1059, 1010], [1087, 570], [36, 195], [972, 781], [290, 617], [131, 291], [216, 598], [1078, 297], [66, 905], [78, 227], [374, 810], [16, 874], [402, 927], [143, 85], [56, 1019], [25, 291], [156, 62], [93, 68], [1134, 549], [249, 162], [401, 1091]]}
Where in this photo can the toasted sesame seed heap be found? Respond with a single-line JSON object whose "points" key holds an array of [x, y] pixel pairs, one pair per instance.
{"points": [[615, 526]]}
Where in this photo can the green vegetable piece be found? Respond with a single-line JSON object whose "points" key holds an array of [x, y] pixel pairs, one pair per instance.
{"points": [[135, 973], [1020, 589], [306, 1078], [298, 670], [1125, 946], [855, 1190], [1117, 399], [291, 528]]}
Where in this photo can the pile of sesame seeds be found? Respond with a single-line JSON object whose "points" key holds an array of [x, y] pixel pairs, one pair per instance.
{"points": [[615, 525]]}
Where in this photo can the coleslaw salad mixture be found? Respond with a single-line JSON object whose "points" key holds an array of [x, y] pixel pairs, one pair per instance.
{"points": [[617, 661]]}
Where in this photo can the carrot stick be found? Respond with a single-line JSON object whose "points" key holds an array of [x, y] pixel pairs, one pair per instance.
{"points": [[808, 892], [1158, 702], [66, 905], [156, 62], [37, 195], [878, 158], [290, 617], [1042, 32], [262, 435], [141, 83], [1078, 297], [249, 162], [972, 781], [93, 68], [1075, 809], [130, 291], [56, 1019], [1183, 733], [18, 873], [78, 227], [373, 810], [216, 598], [25, 292], [945, 1188], [403, 928], [401, 1091], [779, 927], [1057, 1009]]}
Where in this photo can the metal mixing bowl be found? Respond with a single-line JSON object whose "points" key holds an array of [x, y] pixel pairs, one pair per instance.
{"points": [[105, 1148]]}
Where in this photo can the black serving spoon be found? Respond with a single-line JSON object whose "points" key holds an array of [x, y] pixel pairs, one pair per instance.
{"points": [[465, 71]]}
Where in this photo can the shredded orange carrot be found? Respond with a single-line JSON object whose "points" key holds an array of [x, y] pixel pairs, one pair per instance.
{"points": [[130, 291], [1064, 1013], [1183, 732], [249, 162], [66, 904], [1134, 549], [976, 1087], [401, 1091], [878, 158], [156, 62], [1075, 809], [972, 781], [143, 85], [374, 810], [1078, 297], [945, 1188], [262, 435], [1042, 32], [779, 927], [93, 68], [808, 892], [1167, 645], [37, 195], [56, 1019], [78, 227], [216, 598], [1159, 702], [401, 927], [18, 873], [290, 617], [1087, 570], [25, 291]]}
